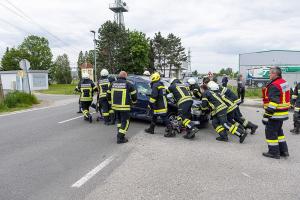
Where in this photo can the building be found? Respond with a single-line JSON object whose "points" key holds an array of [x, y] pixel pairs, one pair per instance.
{"points": [[255, 66], [87, 68], [15, 80]]}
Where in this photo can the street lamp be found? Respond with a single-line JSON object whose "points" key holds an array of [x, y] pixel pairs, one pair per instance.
{"points": [[95, 61]]}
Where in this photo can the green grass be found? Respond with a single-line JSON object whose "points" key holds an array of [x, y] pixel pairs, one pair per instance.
{"points": [[66, 89], [14, 101], [250, 92]]}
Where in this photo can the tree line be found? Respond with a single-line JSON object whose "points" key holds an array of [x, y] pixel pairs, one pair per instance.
{"points": [[37, 51], [119, 49]]}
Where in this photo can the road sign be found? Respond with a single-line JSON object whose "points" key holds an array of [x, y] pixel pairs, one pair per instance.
{"points": [[24, 64]]}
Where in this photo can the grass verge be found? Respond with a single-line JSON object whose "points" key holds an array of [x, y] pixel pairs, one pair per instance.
{"points": [[66, 89], [250, 92], [14, 101]]}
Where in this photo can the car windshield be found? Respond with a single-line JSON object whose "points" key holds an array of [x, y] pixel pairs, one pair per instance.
{"points": [[143, 88]]}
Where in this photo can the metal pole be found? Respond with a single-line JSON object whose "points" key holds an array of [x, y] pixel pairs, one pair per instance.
{"points": [[26, 69], [95, 60], [1, 90]]}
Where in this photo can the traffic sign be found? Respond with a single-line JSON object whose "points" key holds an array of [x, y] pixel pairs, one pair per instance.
{"points": [[24, 64]]}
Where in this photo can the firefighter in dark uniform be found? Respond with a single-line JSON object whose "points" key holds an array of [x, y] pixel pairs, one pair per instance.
{"points": [[276, 97], [233, 112], [103, 85], [112, 116], [86, 87], [159, 105], [122, 94], [213, 102], [194, 88], [184, 101], [296, 100]]}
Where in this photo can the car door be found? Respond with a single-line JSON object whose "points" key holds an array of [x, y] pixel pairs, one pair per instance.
{"points": [[140, 109]]}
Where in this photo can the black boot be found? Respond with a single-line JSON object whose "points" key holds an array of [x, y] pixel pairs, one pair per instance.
{"points": [[190, 133], [150, 130], [284, 154], [121, 138], [243, 135], [253, 127], [223, 136], [90, 118], [270, 155], [112, 118]]}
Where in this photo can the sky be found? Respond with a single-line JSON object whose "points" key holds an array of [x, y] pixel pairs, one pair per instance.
{"points": [[215, 31]]}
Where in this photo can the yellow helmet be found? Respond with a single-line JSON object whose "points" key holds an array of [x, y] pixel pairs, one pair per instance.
{"points": [[155, 77]]}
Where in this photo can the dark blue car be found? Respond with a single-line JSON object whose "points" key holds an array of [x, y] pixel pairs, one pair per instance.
{"points": [[140, 110]]}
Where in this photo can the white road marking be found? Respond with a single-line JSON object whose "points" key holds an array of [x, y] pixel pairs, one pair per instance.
{"points": [[93, 172], [25, 111], [62, 122], [246, 175]]}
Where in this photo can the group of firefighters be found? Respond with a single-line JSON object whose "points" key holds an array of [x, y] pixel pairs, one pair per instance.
{"points": [[116, 96]]}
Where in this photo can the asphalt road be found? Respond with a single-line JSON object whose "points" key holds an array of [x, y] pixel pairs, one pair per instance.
{"points": [[51, 153], [41, 158]]}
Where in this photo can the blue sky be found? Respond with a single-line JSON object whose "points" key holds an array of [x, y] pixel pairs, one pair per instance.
{"points": [[215, 30]]}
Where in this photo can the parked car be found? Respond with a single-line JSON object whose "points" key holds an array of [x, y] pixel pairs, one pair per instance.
{"points": [[140, 110]]}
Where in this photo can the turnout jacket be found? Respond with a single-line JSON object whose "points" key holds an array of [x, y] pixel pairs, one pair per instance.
{"points": [[180, 92], [103, 86], [228, 96], [276, 98], [296, 97], [158, 100], [212, 101], [87, 88], [121, 94], [195, 91]]}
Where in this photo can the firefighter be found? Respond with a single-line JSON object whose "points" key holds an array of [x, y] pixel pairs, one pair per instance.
{"points": [[234, 114], [276, 98], [122, 94], [86, 87], [103, 85], [159, 105], [112, 116], [212, 101], [194, 88], [296, 117], [184, 101]]}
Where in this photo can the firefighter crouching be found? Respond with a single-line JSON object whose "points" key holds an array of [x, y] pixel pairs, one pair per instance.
{"points": [[159, 105], [103, 86], [234, 114], [86, 87], [296, 117], [194, 88], [276, 98], [122, 94], [213, 102], [184, 101]]}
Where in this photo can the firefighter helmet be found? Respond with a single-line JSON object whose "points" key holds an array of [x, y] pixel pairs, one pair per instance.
{"points": [[104, 72], [213, 86], [155, 77]]}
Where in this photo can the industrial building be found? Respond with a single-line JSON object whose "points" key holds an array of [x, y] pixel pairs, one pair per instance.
{"points": [[255, 66]]}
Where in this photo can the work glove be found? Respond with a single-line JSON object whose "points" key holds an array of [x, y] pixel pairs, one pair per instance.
{"points": [[265, 121]]}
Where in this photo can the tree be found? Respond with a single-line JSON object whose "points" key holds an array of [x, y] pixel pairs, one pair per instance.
{"points": [[62, 70], [111, 40], [11, 59], [175, 53], [151, 66], [134, 56], [37, 51], [159, 51], [80, 61], [195, 73]]}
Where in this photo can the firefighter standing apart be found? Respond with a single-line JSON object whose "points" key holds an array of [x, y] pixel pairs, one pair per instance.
{"points": [[296, 100], [103, 85], [184, 101], [122, 94], [86, 87], [159, 105], [276, 97]]}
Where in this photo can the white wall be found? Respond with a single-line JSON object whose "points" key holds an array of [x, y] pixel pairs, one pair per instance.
{"points": [[38, 81], [7, 81]]}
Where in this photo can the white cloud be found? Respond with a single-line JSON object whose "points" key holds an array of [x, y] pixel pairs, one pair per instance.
{"points": [[215, 30]]}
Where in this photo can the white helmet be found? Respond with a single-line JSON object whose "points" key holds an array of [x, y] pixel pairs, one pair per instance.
{"points": [[104, 72], [85, 75], [192, 81], [146, 73], [213, 86]]}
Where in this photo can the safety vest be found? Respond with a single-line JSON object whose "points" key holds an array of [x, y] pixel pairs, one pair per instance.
{"points": [[280, 109], [181, 93], [158, 98]]}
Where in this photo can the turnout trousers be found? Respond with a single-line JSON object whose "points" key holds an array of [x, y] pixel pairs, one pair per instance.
{"points": [[105, 108], [275, 137], [85, 106], [184, 114], [123, 120]]}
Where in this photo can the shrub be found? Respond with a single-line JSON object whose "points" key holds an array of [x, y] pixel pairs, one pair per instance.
{"points": [[19, 99]]}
